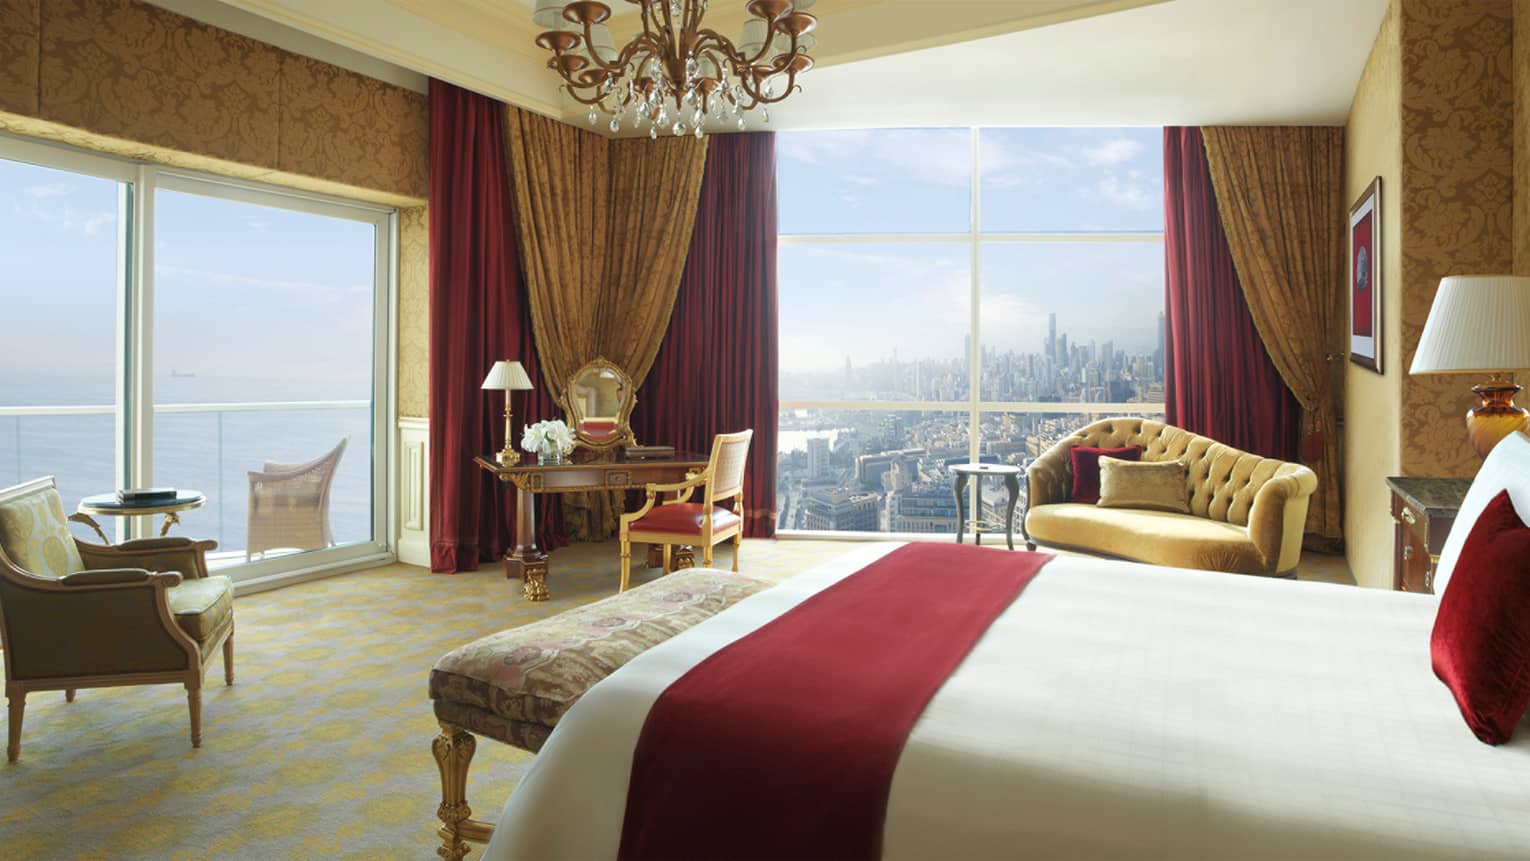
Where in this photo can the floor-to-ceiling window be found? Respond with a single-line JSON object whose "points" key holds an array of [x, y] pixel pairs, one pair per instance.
{"points": [[949, 295], [171, 329]]}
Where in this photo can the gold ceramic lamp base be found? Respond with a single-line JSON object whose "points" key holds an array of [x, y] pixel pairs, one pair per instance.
{"points": [[1497, 416]]}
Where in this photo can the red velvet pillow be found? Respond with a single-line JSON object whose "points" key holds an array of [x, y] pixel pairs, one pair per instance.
{"points": [[1481, 641], [1086, 469]]}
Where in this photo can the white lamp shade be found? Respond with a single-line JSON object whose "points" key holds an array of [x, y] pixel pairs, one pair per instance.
{"points": [[549, 14], [753, 38], [1477, 324], [509, 376]]}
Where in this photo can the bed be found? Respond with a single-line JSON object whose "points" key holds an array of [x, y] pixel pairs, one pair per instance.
{"points": [[1122, 710]]}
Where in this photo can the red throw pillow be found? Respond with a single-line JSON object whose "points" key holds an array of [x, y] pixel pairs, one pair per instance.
{"points": [[1481, 642], [1086, 469]]}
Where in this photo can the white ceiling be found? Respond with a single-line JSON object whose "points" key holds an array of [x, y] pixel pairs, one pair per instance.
{"points": [[921, 62], [1184, 62]]}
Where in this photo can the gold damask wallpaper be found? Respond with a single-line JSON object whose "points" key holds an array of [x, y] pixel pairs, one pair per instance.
{"points": [[414, 312], [1522, 136], [135, 73], [1457, 197], [18, 55]]}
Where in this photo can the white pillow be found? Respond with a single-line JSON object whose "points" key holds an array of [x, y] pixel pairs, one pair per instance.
{"points": [[1507, 466]]}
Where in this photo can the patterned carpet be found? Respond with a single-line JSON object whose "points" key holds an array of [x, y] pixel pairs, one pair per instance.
{"points": [[320, 749]]}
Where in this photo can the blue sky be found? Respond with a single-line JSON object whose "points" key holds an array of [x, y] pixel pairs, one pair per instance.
{"points": [[862, 300], [259, 303]]}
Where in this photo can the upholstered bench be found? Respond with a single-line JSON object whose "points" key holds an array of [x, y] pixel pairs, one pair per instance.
{"points": [[514, 686]]}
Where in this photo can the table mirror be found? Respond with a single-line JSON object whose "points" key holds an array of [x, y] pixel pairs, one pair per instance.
{"points": [[599, 402]]}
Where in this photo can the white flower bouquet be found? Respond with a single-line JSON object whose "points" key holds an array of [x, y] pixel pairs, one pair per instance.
{"points": [[547, 437]]}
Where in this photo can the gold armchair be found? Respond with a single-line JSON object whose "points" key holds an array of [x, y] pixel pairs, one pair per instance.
{"points": [[80, 615], [680, 521], [289, 504]]}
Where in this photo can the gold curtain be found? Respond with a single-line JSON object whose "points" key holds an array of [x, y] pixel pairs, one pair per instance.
{"points": [[1280, 193], [604, 228]]}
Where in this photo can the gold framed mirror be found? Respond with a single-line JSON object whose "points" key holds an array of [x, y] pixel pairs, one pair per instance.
{"points": [[599, 401]]}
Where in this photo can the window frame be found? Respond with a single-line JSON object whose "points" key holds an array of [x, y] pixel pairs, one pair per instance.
{"points": [[975, 237], [134, 407]]}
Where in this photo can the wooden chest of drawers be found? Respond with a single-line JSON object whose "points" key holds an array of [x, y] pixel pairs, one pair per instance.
{"points": [[1423, 510]]}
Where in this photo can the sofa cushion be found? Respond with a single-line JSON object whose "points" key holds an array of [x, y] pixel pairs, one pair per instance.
{"points": [[1158, 537], [536, 672], [202, 606], [35, 534], [1085, 467], [1153, 486]]}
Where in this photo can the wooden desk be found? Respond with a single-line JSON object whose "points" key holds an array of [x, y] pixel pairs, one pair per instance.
{"points": [[527, 560]]}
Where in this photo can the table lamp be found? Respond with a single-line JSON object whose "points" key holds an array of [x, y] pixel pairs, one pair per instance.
{"points": [[1480, 324], [510, 377]]}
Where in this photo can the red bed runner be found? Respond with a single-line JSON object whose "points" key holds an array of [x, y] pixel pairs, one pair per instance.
{"points": [[783, 743]]}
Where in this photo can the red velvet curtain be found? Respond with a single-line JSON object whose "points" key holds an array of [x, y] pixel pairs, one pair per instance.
{"points": [[478, 315], [717, 370], [1218, 378]]}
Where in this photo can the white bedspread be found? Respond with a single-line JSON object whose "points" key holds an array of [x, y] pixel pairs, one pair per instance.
{"points": [[1121, 710]]}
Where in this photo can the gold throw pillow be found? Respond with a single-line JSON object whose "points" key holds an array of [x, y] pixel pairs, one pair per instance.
{"points": [[1158, 486]]}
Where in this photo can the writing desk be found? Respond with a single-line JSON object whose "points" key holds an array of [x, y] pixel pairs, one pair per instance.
{"points": [[616, 472]]}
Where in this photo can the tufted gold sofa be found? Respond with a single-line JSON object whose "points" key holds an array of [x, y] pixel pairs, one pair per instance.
{"points": [[1247, 511]]}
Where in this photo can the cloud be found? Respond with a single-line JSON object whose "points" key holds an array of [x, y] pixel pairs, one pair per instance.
{"points": [[1126, 194], [1111, 152], [319, 292], [938, 156], [54, 189], [67, 219]]}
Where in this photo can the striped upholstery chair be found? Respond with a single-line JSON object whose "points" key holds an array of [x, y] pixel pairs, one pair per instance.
{"points": [[680, 521]]}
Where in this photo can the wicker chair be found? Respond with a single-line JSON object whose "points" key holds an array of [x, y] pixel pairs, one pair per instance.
{"points": [[289, 505], [80, 615]]}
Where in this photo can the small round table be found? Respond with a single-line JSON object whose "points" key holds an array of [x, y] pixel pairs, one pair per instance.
{"points": [[108, 505], [964, 471]]}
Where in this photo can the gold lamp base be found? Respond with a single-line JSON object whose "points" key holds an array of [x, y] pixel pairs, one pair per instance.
{"points": [[508, 456], [1496, 417]]}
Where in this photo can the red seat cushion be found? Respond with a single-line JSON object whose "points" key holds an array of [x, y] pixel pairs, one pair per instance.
{"points": [[1086, 469], [683, 517], [1481, 643]]}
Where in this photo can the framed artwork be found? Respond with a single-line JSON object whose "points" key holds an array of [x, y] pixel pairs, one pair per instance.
{"points": [[1365, 279]]}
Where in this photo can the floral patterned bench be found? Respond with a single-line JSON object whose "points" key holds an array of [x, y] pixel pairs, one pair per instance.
{"points": [[514, 686]]}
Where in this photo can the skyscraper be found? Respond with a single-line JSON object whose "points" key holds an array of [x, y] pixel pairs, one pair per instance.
{"points": [[1052, 336], [818, 458]]}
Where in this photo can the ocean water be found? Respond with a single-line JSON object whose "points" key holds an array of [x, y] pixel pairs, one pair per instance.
{"points": [[213, 452]]}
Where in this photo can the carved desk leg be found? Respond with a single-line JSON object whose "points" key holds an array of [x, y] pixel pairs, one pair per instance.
{"points": [[453, 750], [527, 560]]}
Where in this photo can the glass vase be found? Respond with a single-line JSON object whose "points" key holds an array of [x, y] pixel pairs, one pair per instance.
{"points": [[549, 457]]}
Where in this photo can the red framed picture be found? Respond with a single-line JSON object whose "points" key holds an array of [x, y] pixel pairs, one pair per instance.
{"points": [[1365, 279]]}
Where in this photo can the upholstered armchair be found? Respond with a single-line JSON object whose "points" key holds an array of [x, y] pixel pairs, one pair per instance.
{"points": [[680, 521], [80, 615], [1247, 513], [289, 504]]}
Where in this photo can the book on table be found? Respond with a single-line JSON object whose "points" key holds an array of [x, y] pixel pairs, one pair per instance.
{"points": [[146, 495]]}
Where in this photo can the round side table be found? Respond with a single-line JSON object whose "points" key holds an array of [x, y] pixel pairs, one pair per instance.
{"points": [[108, 505], [961, 473]]}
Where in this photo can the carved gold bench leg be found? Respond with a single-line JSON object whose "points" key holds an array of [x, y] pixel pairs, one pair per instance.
{"points": [[453, 750]]}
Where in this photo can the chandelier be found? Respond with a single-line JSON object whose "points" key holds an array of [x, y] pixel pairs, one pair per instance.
{"points": [[676, 63]]}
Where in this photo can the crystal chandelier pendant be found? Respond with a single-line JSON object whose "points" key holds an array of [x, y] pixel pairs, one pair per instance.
{"points": [[616, 125], [653, 133], [593, 117]]}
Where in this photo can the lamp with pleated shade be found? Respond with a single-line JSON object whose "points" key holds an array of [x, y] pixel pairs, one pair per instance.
{"points": [[511, 377], [1480, 324]]}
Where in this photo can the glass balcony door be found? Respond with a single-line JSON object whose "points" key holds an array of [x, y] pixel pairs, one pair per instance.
{"points": [[174, 329]]}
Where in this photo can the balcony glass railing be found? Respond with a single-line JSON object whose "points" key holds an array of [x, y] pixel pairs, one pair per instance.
{"points": [[211, 447]]}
